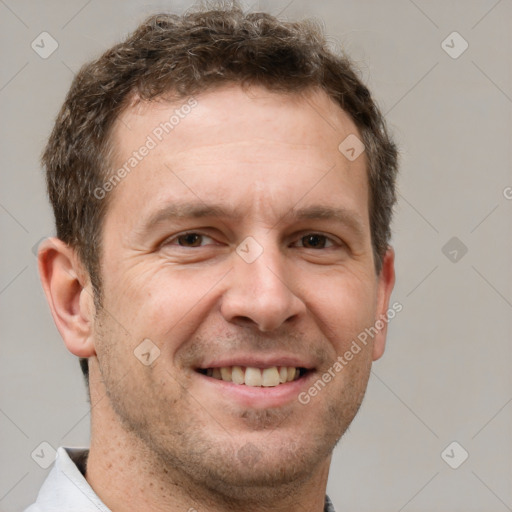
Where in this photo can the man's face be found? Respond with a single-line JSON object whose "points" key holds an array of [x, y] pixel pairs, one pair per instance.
{"points": [[241, 240]]}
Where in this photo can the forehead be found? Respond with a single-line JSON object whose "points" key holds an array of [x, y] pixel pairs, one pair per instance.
{"points": [[247, 148], [308, 116]]}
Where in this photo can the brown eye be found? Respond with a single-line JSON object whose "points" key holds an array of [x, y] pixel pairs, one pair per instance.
{"points": [[314, 241], [190, 240]]}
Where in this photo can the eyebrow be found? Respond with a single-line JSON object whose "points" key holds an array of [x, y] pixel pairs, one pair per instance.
{"points": [[202, 210], [185, 211], [342, 215]]}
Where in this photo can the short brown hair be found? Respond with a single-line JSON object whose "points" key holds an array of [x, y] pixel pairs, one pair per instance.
{"points": [[186, 55]]}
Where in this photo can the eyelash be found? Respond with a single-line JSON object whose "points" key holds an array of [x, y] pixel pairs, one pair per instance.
{"points": [[330, 240], [180, 235]]}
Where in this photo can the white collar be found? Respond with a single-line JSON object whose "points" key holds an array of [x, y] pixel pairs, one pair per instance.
{"points": [[66, 488]]}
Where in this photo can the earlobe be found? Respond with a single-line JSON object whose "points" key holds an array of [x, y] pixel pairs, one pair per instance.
{"points": [[386, 282], [69, 295]]}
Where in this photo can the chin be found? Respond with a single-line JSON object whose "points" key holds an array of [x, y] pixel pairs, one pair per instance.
{"points": [[263, 460]]}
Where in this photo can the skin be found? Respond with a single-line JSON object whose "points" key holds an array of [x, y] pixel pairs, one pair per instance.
{"points": [[164, 437]]}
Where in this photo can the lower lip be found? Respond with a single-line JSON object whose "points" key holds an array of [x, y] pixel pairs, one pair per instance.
{"points": [[259, 397]]}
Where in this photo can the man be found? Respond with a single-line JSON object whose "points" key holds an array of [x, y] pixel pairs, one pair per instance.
{"points": [[223, 188]]}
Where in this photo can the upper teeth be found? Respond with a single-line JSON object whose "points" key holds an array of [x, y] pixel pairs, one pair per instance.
{"points": [[251, 376]]}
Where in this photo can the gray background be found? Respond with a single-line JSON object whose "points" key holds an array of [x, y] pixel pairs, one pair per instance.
{"points": [[446, 374]]}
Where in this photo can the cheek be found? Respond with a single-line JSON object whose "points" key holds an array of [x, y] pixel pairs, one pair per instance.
{"points": [[345, 305], [163, 303]]}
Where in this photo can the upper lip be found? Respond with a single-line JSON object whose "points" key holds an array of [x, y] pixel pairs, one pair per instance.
{"points": [[258, 361]]}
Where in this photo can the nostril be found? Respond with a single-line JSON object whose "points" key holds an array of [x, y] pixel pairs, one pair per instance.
{"points": [[246, 321]]}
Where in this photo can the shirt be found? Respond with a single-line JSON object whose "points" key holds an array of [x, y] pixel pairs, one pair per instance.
{"points": [[66, 489]]}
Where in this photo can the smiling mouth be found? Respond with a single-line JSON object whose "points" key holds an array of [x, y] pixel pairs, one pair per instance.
{"points": [[255, 377]]}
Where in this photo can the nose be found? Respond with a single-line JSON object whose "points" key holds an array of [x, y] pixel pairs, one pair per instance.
{"points": [[262, 293]]}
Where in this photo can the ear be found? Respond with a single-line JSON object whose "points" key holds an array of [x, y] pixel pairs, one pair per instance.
{"points": [[385, 284], [69, 295]]}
